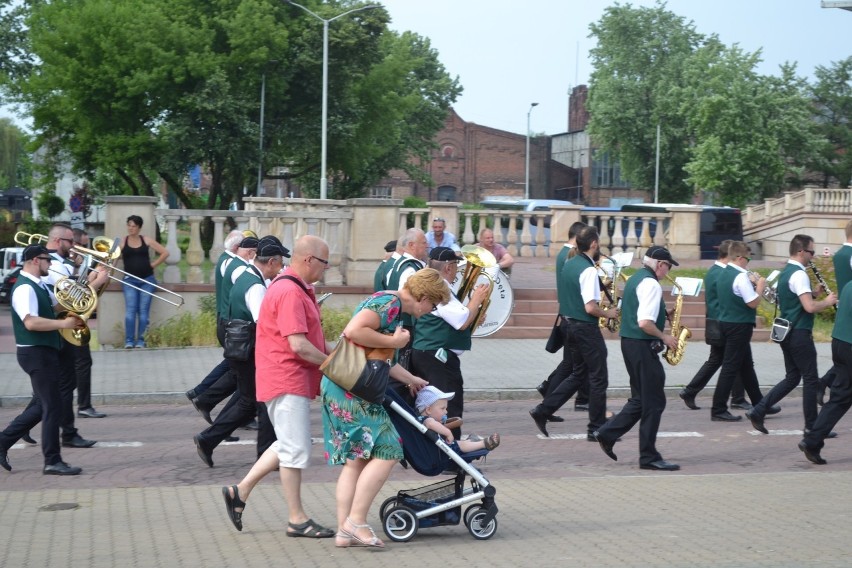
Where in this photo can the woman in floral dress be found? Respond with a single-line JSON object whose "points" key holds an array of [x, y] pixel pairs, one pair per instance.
{"points": [[358, 434]]}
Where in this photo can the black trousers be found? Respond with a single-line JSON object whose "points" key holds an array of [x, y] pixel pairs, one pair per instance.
{"points": [[242, 411], [800, 363], [647, 399], [588, 356], [737, 360], [841, 396], [224, 387], [83, 373], [562, 372], [706, 372], [67, 386], [446, 377], [41, 364], [220, 369]]}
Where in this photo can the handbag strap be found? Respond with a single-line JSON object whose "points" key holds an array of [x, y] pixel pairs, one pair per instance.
{"points": [[296, 280]]}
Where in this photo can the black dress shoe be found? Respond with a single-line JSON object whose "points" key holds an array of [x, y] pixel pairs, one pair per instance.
{"points": [[812, 456], [28, 439], [554, 418], [725, 417], [78, 442], [774, 409], [231, 439], [190, 394], [61, 468], [689, 400], [605, 446], [90, 413], [4, 460], [660, 465], [756, 422], [540, 421], [742, 405], [542, 388], [204, 412], [204, 453], [253, 425], [581, 407]]}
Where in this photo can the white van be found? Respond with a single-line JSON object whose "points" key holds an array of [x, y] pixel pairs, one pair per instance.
{"points": [[12, 258]]}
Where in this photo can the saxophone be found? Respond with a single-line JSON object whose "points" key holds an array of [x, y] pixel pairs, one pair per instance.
{"points": [[612, 324], [679, 332]]}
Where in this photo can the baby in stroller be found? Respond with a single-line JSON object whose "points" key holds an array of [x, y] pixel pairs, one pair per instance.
{"points": [[431, 405]]}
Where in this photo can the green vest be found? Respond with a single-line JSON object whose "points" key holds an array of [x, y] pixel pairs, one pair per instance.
{"points": [[732, 308], [392, 281], [789, 305], [630, 308], [379, 276], [561, 258], [843, 321], [432, 333], [224, 299], [842, 266], [24, 336], [711, 294], [217, 275], [238, 309], [570, 299]]}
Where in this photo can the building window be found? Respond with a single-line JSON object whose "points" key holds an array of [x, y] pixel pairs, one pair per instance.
{"points": [[446, 193], [381, 192], [606, 172]]}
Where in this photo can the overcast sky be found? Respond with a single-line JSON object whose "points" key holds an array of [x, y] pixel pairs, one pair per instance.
{"points": [[510, 53]]}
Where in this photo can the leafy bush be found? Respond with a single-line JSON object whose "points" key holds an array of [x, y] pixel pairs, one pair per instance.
{"points": [[184, 330], [333, 322]]}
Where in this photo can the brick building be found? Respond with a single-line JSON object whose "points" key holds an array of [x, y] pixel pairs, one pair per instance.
{"points": [[474, 162]]}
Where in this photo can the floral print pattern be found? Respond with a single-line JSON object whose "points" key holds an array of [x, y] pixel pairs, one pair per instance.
{"points": [[354, 428]]}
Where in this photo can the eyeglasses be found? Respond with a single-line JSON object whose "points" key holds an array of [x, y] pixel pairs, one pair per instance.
{"points": [[434, 308], [322, 260], [810, 252], [748, 258], [69, 240], [43, 258], [441, 219], [666, 263]]}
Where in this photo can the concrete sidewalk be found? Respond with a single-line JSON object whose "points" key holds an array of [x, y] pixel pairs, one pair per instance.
{"points": [[494, 369]]}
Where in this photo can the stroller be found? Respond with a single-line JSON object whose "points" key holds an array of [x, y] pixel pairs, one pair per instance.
{"points": [[438, 504]]}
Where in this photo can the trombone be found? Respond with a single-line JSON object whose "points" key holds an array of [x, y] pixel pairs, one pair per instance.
{"points": [[105, 252]]}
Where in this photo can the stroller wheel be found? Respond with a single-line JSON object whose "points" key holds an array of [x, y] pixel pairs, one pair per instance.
{"points": [[473, 519], [386, 506], [400, 524]]}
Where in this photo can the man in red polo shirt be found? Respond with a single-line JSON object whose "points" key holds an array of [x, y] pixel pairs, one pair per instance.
{"points": [[289, 350]]}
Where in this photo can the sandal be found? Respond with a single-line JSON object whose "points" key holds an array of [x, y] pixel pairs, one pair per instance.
{"points": [[231, 504], [492, 441], [342, 540], [374, 541], [309, 529]]}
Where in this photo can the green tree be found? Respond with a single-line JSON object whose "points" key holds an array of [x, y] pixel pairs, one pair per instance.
{"points": [[832, 98], [160, 85], [49, 204], [14, 159], [751, 132], [638, 64]]}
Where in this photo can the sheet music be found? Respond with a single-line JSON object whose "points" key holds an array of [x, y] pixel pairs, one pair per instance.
{"points": [[690, 286]]}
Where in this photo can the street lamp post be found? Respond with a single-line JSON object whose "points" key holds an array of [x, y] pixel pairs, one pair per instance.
{"points": [[260, 141], [527, 169], [324, 143]]}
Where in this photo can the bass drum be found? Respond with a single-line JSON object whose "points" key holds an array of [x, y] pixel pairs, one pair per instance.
{"points": [[502, 299]]}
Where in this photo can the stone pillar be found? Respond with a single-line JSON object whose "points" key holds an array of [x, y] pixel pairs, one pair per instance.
{"points": [[685, 233], [172, 272], [218, 246], [120, 207], [334, 276], [374, 223], [194, 253], [560, 222]]}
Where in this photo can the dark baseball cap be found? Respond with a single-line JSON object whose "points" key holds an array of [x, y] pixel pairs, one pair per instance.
{"points": [[249, 243], [271, 246], [661, 253], [32, 251], [443, 253], [391, 246]]}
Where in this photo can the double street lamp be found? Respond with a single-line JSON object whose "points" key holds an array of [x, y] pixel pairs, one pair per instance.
{"points": [[527, 170], [324, 143]]}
